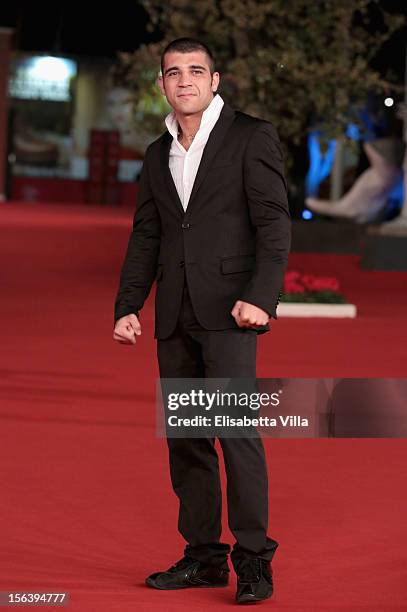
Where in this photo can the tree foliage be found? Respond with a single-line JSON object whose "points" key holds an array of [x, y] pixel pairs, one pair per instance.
{"points": [[293, 62]]}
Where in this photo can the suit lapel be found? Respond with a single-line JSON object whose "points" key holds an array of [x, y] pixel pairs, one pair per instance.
{"points": [[165, 168], [215, 140], [214, 143]]}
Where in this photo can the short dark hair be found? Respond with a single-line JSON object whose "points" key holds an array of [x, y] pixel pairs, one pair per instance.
{"points": [[186, 45]]}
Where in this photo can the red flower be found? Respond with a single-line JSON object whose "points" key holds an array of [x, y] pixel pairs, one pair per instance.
{"points": [[295, 282], [292, 287], [326, 284], [292, 275], [308, 280]]}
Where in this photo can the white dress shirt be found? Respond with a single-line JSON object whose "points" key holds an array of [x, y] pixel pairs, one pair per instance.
{"points": [[184, 164]]}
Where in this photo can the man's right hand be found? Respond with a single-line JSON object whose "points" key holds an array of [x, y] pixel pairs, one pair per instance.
{"points": [[126, 329]]}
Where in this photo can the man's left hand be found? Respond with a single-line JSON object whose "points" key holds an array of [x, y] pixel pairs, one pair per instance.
{"points": [[249, 315]]}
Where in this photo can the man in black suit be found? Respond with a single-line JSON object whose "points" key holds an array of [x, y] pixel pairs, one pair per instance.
{"points": [[212, 227]]}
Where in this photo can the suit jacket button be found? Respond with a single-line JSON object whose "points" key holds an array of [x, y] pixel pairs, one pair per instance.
{"points": [[185, 226], [181, 264]]}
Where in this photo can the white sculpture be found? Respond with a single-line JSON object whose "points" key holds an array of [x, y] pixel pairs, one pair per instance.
{"points": [[368, 196]]}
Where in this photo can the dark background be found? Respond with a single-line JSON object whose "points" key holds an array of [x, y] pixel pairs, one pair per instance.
{"points": [[66, 28]]}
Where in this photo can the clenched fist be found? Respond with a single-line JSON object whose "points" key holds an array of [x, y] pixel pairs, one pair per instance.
{"points": [[249, 315], [126, 329]]}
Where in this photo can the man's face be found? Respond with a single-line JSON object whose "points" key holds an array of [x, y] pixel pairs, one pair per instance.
{"points": [[187, 82]]}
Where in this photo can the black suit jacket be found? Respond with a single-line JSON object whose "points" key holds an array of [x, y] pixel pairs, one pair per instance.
{"points": [[233, 240]]}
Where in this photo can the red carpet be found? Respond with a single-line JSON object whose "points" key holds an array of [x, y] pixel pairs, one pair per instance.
{"points": [[86, 504]]}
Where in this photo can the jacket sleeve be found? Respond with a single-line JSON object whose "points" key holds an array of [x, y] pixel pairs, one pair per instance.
{"points": [[140, 263], [266, 192]]}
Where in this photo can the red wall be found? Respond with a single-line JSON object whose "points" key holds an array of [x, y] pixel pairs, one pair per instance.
{"points": [[34, 189]]}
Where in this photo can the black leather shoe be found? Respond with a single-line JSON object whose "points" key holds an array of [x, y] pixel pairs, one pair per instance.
{"points": [[254, 580], [188, 573]]}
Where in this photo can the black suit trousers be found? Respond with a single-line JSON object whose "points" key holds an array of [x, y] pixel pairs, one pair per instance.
{"points": [[194, 352]]}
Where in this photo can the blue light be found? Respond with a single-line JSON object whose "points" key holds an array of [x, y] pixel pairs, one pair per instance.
{"points": [[397, 193], [307, 214], [320, 163], [353, 131]]}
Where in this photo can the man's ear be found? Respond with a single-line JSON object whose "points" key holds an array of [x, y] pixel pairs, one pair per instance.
{"points": [[215, 81], [160, 83]]}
